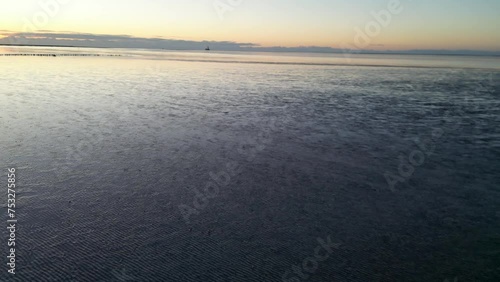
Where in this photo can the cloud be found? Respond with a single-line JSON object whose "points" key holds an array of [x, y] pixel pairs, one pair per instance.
{"points": [[113, 41]]}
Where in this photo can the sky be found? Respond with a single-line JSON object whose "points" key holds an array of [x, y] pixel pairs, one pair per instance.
{"points": [[423, 24]]}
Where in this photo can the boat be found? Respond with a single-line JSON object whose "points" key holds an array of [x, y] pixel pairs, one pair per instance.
{"points": [[207, 49]]}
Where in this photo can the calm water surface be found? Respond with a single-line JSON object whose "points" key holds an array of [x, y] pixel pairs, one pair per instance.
{"points": [[112, 154]]}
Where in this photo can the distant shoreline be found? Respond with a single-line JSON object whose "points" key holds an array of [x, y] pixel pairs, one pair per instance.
{"points": [[283, 50]]}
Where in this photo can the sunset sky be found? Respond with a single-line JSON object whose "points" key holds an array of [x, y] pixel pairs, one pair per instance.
{"points": [[423, 24]]}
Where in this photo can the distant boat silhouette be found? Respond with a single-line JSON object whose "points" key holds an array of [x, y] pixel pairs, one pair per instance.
{"points": [[207, 49]]}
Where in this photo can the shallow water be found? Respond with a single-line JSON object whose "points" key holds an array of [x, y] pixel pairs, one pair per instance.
{"points": [[111, 150]]}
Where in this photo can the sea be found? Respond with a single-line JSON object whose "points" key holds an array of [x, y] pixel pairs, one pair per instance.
{"points": [[158, 165]]}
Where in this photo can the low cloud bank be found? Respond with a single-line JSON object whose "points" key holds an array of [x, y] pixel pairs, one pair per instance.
{"points": [[48, 38]]}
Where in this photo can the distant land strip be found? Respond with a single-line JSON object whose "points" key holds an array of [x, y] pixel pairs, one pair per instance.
{"points": [[237, 47]]}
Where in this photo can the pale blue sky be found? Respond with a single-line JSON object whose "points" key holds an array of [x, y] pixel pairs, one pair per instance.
{"points": [[424, 24]]}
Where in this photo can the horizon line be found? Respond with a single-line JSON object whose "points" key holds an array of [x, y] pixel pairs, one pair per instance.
{"points": [[48, 38]]}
